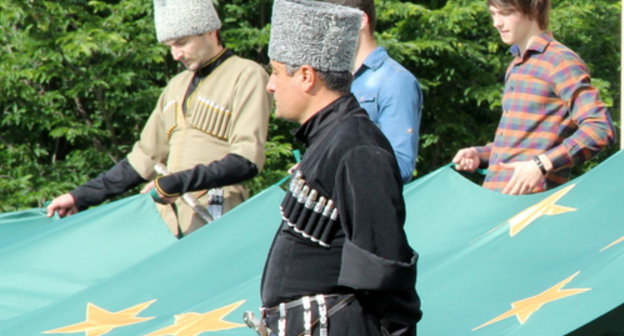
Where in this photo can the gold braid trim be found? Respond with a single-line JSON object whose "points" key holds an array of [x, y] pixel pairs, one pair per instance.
{"points": [[161, 191]]}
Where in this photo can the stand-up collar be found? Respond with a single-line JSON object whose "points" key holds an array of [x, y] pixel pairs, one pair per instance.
{"points": [[205, 71], [214, 63], [325, 119]]}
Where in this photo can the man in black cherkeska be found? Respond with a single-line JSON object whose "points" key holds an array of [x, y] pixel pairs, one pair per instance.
{"points": [[340, 263]]}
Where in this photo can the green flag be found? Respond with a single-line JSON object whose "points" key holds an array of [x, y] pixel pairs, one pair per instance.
{"points": [[43, 260], [200, 284], [490, 264], [541, 264]]}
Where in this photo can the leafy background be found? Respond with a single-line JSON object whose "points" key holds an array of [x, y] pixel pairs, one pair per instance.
{"points": [[79, 78]]}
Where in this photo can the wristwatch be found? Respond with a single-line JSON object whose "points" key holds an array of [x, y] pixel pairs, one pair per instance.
{"points": [[539, 164]]}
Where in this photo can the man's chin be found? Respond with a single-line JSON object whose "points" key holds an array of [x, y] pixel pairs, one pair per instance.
{"points": [[506, 39], [191, 67], [280, 115]]}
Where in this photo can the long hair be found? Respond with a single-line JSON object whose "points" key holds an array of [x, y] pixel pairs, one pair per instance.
{"points": [[537, 10]]}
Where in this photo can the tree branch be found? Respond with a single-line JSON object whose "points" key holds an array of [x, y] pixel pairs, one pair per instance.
{"points": [[96, 142]]}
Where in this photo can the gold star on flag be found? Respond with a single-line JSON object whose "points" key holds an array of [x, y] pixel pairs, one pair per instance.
{"points": [[547, 206], [523, 309], [621, 240], [100, 321], [193, 324]]}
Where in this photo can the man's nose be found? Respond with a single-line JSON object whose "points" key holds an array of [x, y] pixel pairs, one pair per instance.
{"points": [[176, 53], [270, 88], [497, 22]]}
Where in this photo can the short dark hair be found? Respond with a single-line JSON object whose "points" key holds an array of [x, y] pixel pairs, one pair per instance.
{"points": [[535, 9], [339, 81], [366, 6]]}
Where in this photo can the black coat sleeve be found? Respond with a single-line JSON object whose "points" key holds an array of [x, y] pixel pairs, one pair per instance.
{"points": [[372, 212], [230, 170], [376, 258], [120, 178]]}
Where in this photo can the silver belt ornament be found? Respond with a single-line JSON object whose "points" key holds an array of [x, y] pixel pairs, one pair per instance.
{"points": [[254, 323], [307, 316], [322, 314], [306, 302], [215, 202]]}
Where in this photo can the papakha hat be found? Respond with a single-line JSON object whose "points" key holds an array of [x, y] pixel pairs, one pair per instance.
{"points": [[319, 34], [180, 18]]}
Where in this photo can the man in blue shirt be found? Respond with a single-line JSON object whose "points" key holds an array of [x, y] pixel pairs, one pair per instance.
{"points": [[387, 91]]}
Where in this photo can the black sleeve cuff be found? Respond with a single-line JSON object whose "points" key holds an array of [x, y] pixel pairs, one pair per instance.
{"points": [[120, 178], [363, 270], [232, 169]]}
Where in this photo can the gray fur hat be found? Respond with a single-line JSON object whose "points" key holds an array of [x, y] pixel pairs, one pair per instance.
{"points": [[180, 18], [319, 34]]}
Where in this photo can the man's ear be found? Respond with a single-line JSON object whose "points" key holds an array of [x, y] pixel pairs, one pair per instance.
{"points": [[308, 77], [364, 24]]}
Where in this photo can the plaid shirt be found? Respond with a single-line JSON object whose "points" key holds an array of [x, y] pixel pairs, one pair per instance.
{"points": [[551, 108]]}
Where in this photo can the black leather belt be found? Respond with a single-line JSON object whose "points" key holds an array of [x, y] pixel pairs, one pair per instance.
{"points": [[325, 310]]}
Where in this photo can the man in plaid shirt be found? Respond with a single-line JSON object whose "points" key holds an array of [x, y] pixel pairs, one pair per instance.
{"points": [[552, 117]]}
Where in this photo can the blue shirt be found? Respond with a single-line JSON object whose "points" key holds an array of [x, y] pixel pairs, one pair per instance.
{"points": [[393, 99]]}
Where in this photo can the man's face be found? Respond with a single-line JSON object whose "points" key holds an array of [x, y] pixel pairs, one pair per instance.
{"points": [[286, 92], [194, 51], [513, 26]]}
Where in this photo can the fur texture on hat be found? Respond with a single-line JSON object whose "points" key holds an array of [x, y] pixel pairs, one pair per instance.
{"points": [[180, 18], [319, 34]]}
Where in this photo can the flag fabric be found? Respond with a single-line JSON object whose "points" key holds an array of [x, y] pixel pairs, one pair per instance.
{"points": [[198, 285], [490, 264], [541, 264], [43, 259]]}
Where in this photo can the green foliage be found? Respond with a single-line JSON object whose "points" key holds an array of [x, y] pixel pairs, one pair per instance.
{"points": [[79, 78], [246, 27]]}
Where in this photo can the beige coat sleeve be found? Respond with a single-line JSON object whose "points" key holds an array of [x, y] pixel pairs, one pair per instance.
{"points": [[153, 145]]}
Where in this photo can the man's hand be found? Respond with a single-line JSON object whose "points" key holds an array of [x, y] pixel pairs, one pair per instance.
{"points": [[526, 176], [467, 159], [65, 205], [293, 168], [158, 197]]}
